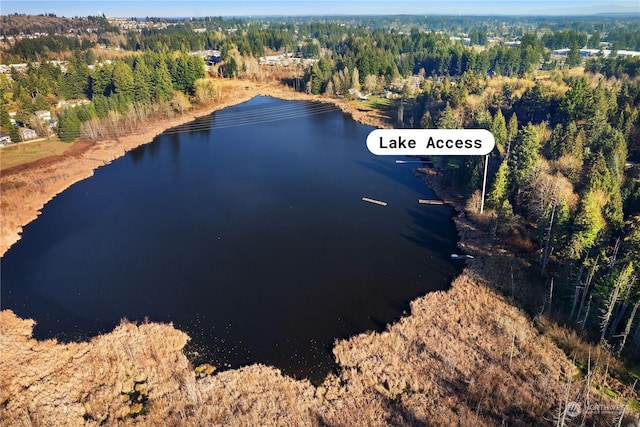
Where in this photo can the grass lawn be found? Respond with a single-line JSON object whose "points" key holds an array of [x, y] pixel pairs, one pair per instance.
{"points": [[374, 103], [26, 152], [572, 72]]}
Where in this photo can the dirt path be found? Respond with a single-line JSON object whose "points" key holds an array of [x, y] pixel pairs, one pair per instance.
{"points": [[25, 189]]}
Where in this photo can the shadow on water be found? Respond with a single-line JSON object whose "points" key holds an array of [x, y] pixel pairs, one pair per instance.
{"points": [[389, 169], [137, 154], [420, 234], [174, 143]]}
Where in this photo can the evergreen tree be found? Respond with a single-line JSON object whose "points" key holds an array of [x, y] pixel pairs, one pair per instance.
{"points": [[576, 147], [189, 68], [40, 102], [505, 216], [5, 119], [554, 147], [447, 119], [631, 240], [230, 69], [578, 103], [101, 105], [426, 122], [162, 88], [512, 133], [483, 120], [14, 133], [141, 77], [588, 224], [557, 222], [512, 130], [594, 40], [498, 192], [25, 105], [499, 131], [123, 83], [524, 155], [68, 125], [574, 58], [603, 177], [102, 81], [197, 70]]}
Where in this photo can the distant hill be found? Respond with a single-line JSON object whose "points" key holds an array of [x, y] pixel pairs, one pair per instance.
{"points": [[51, 24]]}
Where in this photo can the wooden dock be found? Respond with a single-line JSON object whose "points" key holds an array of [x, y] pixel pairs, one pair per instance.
{"points": [[435, 202], [377, 202]]}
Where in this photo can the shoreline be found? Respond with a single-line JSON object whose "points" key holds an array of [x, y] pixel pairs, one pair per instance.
{"points": [[466, 356], [27, 188], [448, 360]]}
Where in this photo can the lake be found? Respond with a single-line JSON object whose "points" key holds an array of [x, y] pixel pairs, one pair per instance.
{"points": [[247, 230]]}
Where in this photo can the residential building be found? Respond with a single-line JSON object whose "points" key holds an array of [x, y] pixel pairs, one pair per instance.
{"points": [[28, 134]]}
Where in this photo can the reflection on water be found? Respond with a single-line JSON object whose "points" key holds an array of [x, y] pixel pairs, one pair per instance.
{"points": [[247, 230]]}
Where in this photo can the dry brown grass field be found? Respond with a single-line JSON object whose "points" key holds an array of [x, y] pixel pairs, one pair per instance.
{"points": [[28, 152], [466, 356]]}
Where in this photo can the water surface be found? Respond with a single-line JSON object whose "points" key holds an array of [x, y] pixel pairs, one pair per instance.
{"points": [[247, 230]]}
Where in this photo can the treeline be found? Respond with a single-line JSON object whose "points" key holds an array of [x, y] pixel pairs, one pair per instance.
{"points": [[14, 24], [617, 38], [624, 39], [390, 55], [567, 38], [614, 66], [560, 165], [111, 87], [250, 42], [41, 48]]}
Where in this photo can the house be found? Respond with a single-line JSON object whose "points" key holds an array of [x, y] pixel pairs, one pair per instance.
{"points": [[4, 138], [43, 115], [28, 134], [72, 103]]}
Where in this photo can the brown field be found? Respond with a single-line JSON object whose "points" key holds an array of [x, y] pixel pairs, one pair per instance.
{"points": [[27, 152], [462, 357], [466, 356]]}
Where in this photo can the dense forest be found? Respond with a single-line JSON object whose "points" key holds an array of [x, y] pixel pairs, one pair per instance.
{"points": [[562, 185], [11, 25]]}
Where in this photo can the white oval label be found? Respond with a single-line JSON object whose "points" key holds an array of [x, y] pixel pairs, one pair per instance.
{"points": [[426, 142]]}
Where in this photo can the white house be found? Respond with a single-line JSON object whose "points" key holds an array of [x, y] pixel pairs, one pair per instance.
{"points": [[43, 115], [28, 134]]}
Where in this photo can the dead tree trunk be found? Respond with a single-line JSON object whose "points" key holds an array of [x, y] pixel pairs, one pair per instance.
{"points": [[547, 243], [627, 328], [624, 307], [585, 292]]}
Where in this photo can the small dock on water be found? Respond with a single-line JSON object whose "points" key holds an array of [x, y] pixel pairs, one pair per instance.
{"points": [[420, 201], [376, 202], [435, 202]]}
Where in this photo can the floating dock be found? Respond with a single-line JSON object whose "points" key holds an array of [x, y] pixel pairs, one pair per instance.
{"points": [[434, 202], [377, 202]]}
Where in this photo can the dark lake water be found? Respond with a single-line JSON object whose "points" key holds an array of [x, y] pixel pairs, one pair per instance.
{"points": [[247, 230]]}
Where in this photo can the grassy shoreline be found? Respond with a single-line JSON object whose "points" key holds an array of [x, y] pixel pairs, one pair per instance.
{"points": [[26, 188]]}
